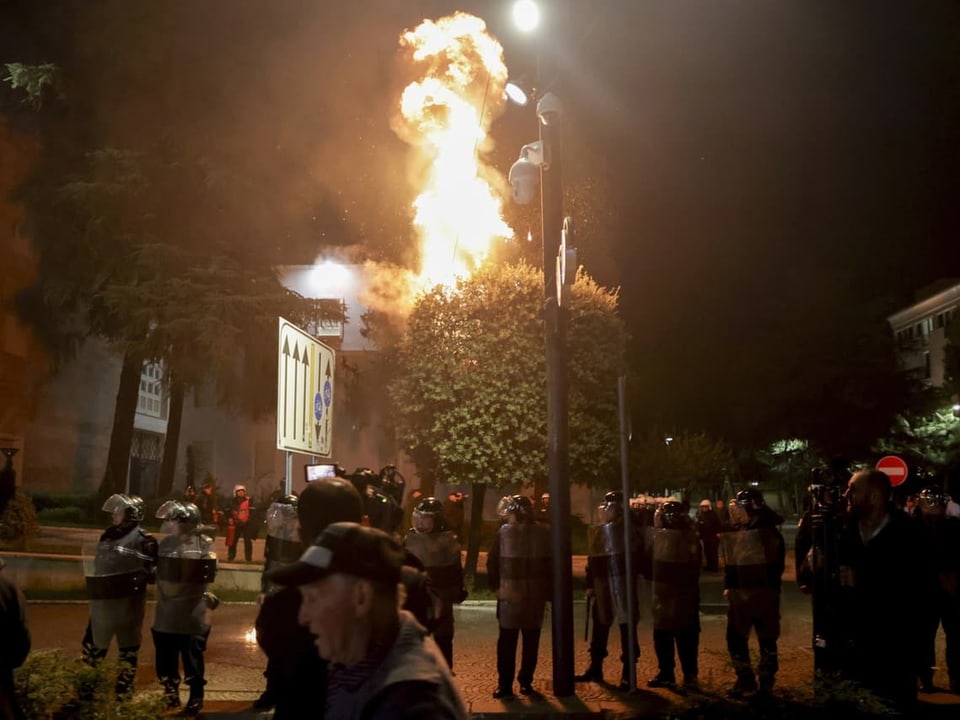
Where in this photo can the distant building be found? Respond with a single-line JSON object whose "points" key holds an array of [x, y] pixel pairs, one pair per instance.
{"points": [[65, 430], [920, 331]]}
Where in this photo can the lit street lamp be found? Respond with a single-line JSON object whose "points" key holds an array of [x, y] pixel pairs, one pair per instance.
{"points": [[546, 155]]}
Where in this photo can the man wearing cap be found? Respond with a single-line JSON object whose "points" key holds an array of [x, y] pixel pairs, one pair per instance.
{"points": [[382, 662], [299, 674]]}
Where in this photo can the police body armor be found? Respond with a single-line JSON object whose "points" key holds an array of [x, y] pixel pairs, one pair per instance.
{"points": [[751, 559], [608, 567], [117, 572], [675, 579], [440, 554], [524, 574], [283, 536], [185, 568]]}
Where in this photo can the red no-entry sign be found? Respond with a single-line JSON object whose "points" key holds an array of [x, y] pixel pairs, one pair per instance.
{"points": [[894, 467]]}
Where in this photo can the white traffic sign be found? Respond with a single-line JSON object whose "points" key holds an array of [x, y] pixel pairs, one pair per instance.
{"points": [[305, 371]]}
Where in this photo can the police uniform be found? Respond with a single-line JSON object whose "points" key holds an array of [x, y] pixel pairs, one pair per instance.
{"points": [[118, 570], [438, 549], [281, 547], [754, 555], [676, 595], [606, 576], [518, 569], [186, 567]]}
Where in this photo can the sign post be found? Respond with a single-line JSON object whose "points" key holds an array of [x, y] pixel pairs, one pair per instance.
{"points": [[305, 381], [895, 467]]}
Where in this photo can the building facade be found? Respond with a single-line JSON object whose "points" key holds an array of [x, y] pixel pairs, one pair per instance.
{"points": [[920, 331]]}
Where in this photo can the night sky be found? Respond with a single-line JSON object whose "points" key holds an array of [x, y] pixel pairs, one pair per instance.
{"points": [[777, 172]]}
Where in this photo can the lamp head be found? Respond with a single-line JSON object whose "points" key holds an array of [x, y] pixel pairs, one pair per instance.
{"points": [[549, 108], [526, 15]]}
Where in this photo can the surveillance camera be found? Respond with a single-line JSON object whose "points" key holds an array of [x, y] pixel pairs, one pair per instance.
{"points": [[524, 176], [533, 152], [549, 108]]}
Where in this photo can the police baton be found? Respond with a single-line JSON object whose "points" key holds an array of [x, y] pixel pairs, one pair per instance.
{"points": [[586, 624]]}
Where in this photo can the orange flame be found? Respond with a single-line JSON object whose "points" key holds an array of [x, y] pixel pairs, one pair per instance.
{"points": [[445, 115]]}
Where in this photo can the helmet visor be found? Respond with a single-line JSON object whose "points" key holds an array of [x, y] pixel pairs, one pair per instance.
{"points": [[116, 503], [423, 521]]}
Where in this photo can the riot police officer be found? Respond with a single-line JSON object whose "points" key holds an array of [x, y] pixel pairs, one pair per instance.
{"points": [[606, 577], [117, 572], [186, 566], [521, 542], [282, 546], [754, 555], [438, 548], [942, 537], [676, 595]]}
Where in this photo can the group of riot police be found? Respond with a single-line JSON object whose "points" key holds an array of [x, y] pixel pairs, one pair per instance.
{"points": [[667, 554], [636, 556], [182, 565]]}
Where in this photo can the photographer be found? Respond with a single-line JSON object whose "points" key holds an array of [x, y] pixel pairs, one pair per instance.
{"points": [[817, 565]]}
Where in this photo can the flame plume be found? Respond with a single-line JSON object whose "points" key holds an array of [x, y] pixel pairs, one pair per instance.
{"points": [[444, 116]]}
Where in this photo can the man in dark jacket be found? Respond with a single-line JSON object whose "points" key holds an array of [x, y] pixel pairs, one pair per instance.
{"points": [[885, 578], [383, 664], [297, 669], [15, 644]]}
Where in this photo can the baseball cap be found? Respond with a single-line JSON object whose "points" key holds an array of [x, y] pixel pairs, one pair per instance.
{"points": [[347, 548]]}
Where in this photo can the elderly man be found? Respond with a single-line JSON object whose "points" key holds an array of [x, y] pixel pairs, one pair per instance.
{"points": [[383, 663]]}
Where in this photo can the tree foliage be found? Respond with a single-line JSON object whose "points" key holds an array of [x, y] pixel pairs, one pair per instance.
{"points": [[470, 389], [926, 434], [684, 460], [35, 81]]}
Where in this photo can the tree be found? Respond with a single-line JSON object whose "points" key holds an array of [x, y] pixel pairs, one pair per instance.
{"points": [[692, 462], [469, 393]]}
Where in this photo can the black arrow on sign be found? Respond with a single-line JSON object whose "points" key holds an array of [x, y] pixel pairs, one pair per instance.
{"points": [[286, 357]]}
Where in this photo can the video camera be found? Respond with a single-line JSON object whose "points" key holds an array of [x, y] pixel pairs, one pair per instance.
{"points": [[826, 492]]}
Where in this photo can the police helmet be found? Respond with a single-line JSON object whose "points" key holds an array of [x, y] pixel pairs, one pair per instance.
{"points": [[669, 516], [932, 500], [282, 511], [185, 513], [428, 515], [136, 507], [614, 496], [518, 505], [288, 500], [612, 506], [750, 499], [130, 506]]}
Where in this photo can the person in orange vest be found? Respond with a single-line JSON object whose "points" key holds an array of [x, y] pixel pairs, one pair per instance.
{"points": [[240, 515]]}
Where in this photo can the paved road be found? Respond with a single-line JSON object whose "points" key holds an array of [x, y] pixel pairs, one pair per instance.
{"points": [[235, 664]]}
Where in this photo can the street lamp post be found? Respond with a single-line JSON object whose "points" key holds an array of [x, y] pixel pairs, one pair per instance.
{"points": [[558, 451], [550, 151]]}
